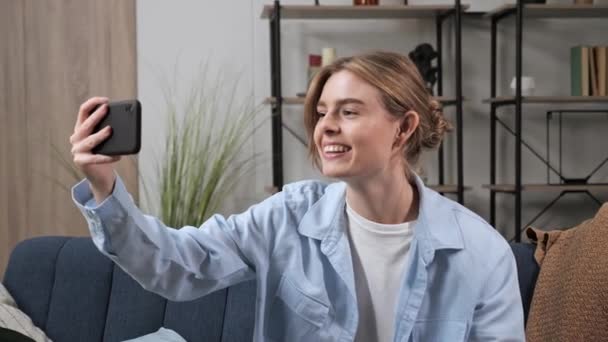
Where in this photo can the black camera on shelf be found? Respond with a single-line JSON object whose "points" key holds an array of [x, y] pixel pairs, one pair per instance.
{"points": [[423, 56]]}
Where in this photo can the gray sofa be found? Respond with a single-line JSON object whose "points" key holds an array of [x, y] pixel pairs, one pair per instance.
{"points": [[74, 293]]}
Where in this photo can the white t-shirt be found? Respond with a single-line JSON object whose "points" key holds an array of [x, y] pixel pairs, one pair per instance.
{"points": [[379, 253]]}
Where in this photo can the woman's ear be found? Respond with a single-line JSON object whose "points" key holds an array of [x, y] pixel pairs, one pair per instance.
{"points": [[409, 124]]}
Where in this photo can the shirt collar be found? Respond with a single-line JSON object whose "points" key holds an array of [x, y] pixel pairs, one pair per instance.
{"points": [[436, 227]]}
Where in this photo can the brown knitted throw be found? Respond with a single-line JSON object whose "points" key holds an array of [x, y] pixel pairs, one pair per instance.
{"points": [[570, 301]]}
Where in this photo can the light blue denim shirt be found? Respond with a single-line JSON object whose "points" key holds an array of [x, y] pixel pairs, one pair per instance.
{"points": [[460, 285]]}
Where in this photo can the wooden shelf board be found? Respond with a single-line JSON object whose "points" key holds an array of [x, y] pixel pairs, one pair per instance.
{"points": [[298, 100], [550, 99], [359, 12], [554, 11], [547, 187]]}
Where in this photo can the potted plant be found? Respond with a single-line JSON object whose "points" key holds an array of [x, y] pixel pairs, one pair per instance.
{"points": [[202, 161]]}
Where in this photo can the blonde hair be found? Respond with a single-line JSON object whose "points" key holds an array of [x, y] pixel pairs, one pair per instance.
{"points": [[402, 89]]}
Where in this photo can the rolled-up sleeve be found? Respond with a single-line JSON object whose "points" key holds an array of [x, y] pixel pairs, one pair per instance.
{"points": [[179, 264]]}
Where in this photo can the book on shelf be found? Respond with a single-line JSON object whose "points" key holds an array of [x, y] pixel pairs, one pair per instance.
{"points": [[585, 70], [592, 72], [601, 58], [575, 71], [589, 70]]}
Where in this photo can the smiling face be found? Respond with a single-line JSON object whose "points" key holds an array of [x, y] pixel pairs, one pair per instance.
{"points": [[355, 134]]}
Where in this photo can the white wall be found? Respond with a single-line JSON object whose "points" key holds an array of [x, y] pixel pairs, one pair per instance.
{"points": [[234, 37], [184, 35]]}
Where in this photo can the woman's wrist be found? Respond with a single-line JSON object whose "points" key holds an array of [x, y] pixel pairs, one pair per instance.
{"points": [[102, 189]]}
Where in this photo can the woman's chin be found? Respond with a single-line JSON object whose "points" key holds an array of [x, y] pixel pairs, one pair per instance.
{"points": [[336, 173]]}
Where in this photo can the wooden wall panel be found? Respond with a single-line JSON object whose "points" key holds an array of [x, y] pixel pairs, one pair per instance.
{"points": [[13, 126], [72, 50]]}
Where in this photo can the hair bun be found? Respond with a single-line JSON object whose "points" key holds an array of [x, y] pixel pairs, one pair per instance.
{"points": [[438, 126]]}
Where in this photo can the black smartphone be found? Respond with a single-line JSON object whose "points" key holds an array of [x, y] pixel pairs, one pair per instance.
{"points": [[125, 119]]}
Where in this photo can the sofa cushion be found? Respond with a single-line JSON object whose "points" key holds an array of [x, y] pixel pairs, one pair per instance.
{"points": [[30, 275], [132, 311], [240, 312], [527, 272], [571, 295], [81, 290], [200, 319]]}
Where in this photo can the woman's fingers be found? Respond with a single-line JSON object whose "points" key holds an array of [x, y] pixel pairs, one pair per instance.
{"points": [[83, 159], [87, 107], [85, 128], [87, 144], [97, 168]]}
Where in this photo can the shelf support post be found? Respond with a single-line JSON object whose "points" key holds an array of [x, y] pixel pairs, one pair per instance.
{"points": [[459, 136], [518, 72], [493, 121], [277, 107], [439, 41]]}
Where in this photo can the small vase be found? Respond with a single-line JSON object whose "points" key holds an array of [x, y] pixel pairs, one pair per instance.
{"points": [[527, 86]]}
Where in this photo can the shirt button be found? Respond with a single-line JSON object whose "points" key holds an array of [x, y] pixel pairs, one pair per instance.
{"points": [[90, 213]]}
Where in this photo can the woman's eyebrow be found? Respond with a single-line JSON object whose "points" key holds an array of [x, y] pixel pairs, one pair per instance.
{"points": [[342, 102]]}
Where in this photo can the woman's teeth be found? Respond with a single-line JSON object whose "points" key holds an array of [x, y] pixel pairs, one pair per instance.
{"points": [[335, 148]]}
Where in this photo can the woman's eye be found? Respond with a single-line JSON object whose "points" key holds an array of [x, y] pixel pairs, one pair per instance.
{"points": [[320, 114], [348, 112]]}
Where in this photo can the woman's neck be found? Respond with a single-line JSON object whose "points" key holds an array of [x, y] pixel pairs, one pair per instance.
{"points": [[387, 200]]}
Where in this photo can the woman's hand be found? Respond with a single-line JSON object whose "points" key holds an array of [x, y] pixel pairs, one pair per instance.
{"points": [[98, 169]]}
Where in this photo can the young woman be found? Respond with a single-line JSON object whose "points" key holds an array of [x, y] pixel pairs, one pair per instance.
{"points": [[376, 256]]}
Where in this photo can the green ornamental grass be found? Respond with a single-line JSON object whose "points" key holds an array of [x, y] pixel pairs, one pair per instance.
{"points": [[202, 162]]}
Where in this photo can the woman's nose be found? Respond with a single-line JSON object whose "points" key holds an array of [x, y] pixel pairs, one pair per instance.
{"points": [[329, 124]]}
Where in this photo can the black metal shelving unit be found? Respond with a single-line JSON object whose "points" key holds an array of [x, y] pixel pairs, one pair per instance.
{"points": [[521, 11], [276, 13]]}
